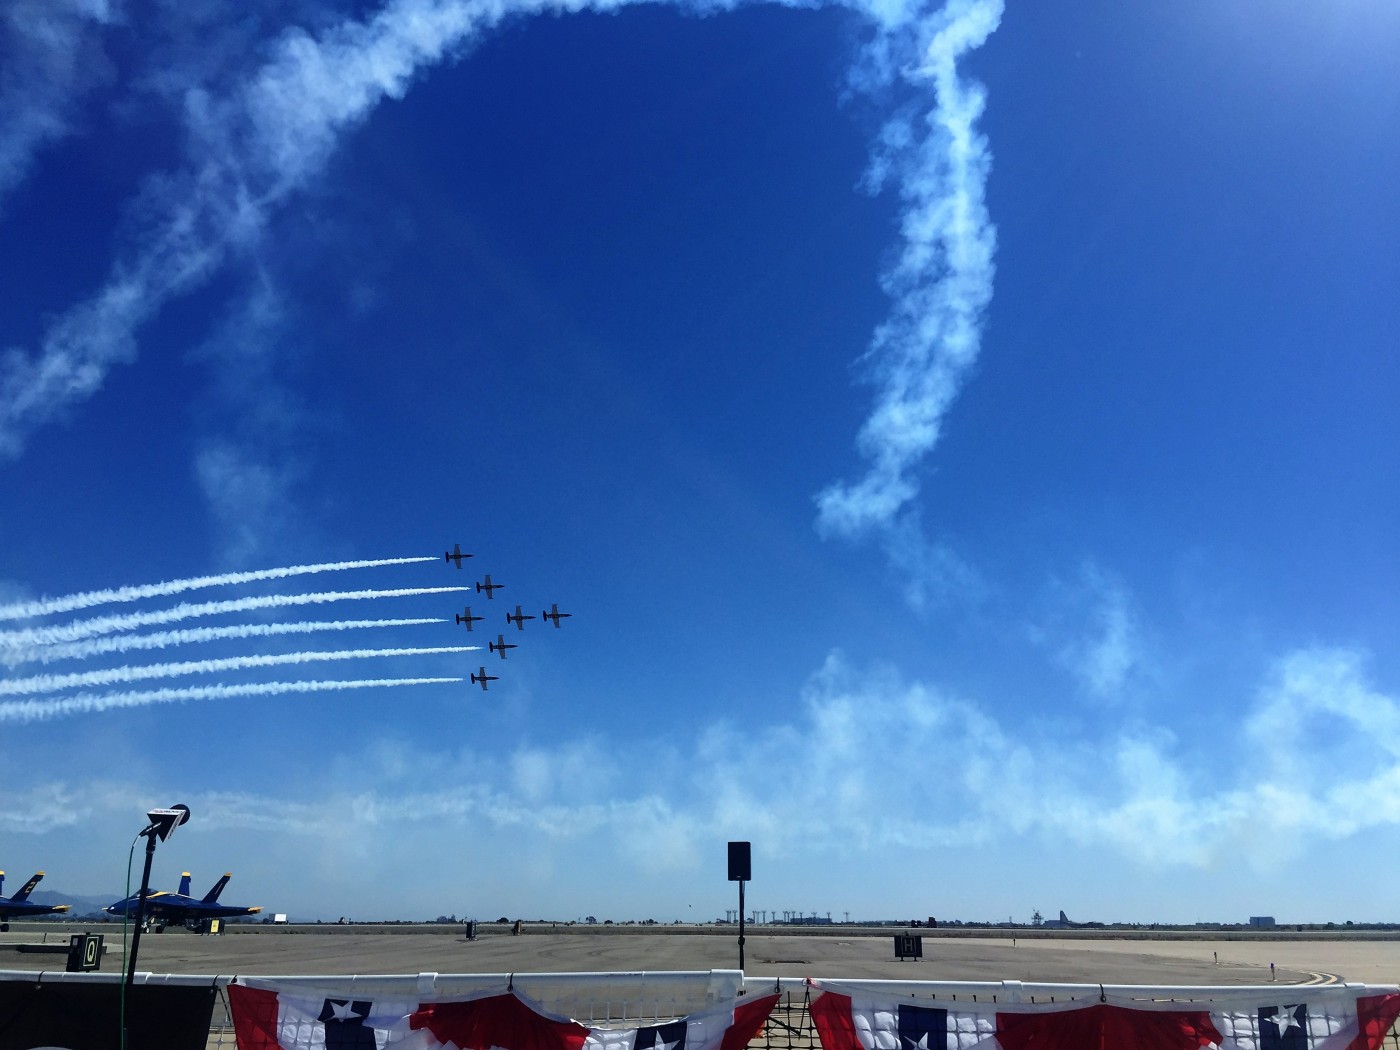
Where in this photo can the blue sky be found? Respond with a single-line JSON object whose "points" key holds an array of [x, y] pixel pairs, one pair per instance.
{"points": [[965, 438]]}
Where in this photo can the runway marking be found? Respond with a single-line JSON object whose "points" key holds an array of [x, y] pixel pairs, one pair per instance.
{"points": [[1321, 978]]}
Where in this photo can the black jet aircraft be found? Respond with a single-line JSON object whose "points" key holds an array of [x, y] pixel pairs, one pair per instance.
{"points": [[164, 908], [482, 678], [489, 587], [455, 554], [500, 645], [468, 619], [555, 615], [518, 618], [20, 906]]}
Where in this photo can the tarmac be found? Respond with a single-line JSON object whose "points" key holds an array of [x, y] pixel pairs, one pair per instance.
{"points": [[264, 950]]}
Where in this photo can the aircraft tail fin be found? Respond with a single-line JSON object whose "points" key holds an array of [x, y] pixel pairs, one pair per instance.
{"points": [[218, 888], [184, 884], [25, 890], [1063, 917]]}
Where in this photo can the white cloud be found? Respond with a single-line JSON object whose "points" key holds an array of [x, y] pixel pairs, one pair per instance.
{"points": [[855, 768], [1094, 631], [247, 494], [248, 461], [39, 807], [50, 57], [933, 573], [871, 767]]}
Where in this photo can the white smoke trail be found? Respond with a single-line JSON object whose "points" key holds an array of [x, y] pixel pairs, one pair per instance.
{"points": [[253, 147], [29, 638], [90, 703], [121, 643], [56, 683], [51, 606], [941, 283], [250, 150]]}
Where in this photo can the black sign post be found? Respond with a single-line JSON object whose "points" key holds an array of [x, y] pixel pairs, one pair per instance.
{"points": [[740, 871], [84, 952]]}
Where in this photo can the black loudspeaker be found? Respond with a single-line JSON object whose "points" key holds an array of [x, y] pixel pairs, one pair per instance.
{"points": [[739, 866]]}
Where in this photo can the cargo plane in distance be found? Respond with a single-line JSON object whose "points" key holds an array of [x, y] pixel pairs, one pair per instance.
{"points": [[164, 908], [489, 587], [518, 618], [555, 615], [500, 645], [468, 619], [482, 678], [1064, 922], [455, 554], [20, 906]]}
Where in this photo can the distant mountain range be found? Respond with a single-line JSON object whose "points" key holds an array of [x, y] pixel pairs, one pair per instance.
{"points": [[80, 905]]}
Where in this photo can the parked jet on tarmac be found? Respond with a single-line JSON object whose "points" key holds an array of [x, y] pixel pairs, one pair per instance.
{"points": [[20, 905], [500, 645], [488, 586], [483, 678], [518, 618], [1064, 922], [468, 619], [164, 908], [555, 615], [456, 554]]}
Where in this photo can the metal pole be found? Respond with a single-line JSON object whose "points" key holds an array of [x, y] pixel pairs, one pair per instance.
{"points": [[141, 904], [741, 924]]}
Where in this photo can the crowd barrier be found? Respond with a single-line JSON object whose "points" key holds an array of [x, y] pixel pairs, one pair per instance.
{"points": [[635, 1000]]}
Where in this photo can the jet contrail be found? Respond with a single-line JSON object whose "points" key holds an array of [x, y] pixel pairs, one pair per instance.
{"points": [[56, 683], [87, 703], [72, 632], [51, 606], [121, 643]]}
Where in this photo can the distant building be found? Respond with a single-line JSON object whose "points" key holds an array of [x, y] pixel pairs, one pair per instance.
{"points": [[1262, 922]]}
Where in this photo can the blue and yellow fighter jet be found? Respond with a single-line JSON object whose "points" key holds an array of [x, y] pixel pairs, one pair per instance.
{"points": [[164, 908], [20, 906]]}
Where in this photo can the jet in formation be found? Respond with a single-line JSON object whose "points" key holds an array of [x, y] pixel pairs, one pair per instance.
{"points": [[465, 619], [165, 908], [20, 906], [518, 618]]}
